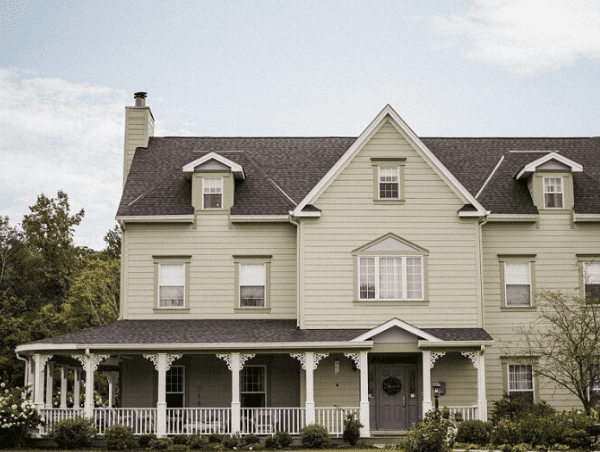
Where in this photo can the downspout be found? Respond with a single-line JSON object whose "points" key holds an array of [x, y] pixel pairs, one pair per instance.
{"points": [[297, 224], [480, 224], [26, 374]]}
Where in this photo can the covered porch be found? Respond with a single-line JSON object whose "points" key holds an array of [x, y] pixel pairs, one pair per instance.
{"points": [[260, 388]]}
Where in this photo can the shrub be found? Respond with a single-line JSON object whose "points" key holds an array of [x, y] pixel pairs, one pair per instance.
{"points": [[73, 433], [178, 448], [119, 437], [315, 436], [517, 407], [253, 446], [160, 443], [435, 433], [145, 439], [473, 432], [351, 429], [505, 432], [197, 442], [250, 439], [180, 439], [278, 440], [215, 446], [215, 438], [18, 416], [231, 442]]}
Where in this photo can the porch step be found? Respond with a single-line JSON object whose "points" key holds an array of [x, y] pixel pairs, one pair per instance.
{"points": [[385, 438]]}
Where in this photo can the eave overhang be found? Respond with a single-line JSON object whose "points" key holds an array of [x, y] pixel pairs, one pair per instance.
{"points": [[512, 218], [235, 168], [531, 168], [156, 219], [260, 218], [586, 217], [454, 344]]}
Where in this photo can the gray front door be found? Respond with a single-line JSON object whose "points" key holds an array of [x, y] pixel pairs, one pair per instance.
{"points": [[394, 396]]}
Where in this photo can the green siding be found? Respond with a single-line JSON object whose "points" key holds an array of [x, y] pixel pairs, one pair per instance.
{"points": [[336, 390], [460, 376], [350, 219]]}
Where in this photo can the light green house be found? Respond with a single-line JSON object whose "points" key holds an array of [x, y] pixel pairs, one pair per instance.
{"points": [[270, 283]]}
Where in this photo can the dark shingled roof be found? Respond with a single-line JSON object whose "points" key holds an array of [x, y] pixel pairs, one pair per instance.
{"points": [[156, 184], [222, 331]]}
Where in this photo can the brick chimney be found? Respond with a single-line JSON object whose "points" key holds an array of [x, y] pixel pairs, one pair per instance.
{"points": [[139, 127]]}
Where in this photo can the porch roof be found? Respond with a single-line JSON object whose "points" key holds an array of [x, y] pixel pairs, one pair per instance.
{"points": [[207, 333]]}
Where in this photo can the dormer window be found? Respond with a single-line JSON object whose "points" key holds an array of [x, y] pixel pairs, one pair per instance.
{"points": [[553, 193], [389, 182], [212, 193]]}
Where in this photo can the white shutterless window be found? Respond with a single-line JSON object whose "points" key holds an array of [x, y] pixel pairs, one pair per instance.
{"points": [[171, 285], [212, 193], [591, 279], [517, 280], [553, 193], [520, 381], [252, 285], [391, 278], [389, 182]]}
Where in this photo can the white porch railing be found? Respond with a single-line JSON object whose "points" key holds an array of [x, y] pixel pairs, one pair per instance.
{"points": [[468, 413], [141, 420], [54, 415], [198, 420], [266, 421], [333, 418]]}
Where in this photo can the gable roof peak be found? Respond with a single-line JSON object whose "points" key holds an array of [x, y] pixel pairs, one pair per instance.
{"points": [[532, 167], [235, 168]]}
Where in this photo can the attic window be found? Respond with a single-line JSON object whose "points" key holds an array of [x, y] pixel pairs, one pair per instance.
{"points": [[389, 182], [553, 192], [212, 193]]}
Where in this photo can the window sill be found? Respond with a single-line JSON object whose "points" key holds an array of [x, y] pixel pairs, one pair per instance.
{"points": [[171, 310], [389, 201], [212, 211], [391, 302], [252, 310], [518, 308]]}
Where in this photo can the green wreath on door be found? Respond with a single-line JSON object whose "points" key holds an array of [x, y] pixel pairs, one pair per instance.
{"points": [[391, 386]]}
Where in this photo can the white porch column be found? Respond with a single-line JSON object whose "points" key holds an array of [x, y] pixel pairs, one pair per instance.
{"points": [[236, 406], [365, 420], [309, 367], [112, 388], [49, 383], [161, 404], [63, 386], [481, 386], [89, 386], [426, 381], [38, 385], [77, 387]]}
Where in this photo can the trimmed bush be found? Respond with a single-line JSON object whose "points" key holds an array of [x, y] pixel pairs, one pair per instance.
{"points": [[197, 442], [160, 443], [250, 439], [73, 433], [315, 436], [180, 439], [215, 438], [119, 437], [178, 448], [145, 439], [278, 440], [435, 433], [517, 407], [231, 442], [352, 428], [473, 432]]}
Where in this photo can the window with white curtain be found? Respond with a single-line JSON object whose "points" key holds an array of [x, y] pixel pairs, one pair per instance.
{"points": [[517, 280], [252, 285], [591, 279], [212, 193], [520, 381], [390, 278], [171, 285], [553, 192]]}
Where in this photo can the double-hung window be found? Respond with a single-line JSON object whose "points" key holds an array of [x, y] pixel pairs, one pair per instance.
{"points": [[389, 182], [253, 386], [212, 193], [171, 285], [553, 193], [517, 279], [520, 381], [591, 280], [175, 387], [253, 285], [391, 278]]}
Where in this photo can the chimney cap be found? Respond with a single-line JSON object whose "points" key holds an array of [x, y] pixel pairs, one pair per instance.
{"points": [[141, 94]]}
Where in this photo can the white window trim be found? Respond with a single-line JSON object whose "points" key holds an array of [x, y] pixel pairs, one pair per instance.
{"points": [[264, 285], [183, 267], [506, 303], [265, 391], [204, 179], [379, 182], [404, 278], [511, 391], [182, 383], [561, 192]]}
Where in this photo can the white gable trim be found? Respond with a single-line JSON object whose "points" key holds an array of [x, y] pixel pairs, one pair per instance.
{"points": [[236, 169], [411, 137], [396, 323], [532, 167]]}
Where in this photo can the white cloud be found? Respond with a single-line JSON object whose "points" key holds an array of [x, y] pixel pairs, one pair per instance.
{"points": [[526, 35], [60, 135]]}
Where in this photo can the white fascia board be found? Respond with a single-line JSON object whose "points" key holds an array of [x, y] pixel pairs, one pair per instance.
{"points": [[586, 217], [395, 322], [157, 219], [508, 218], [472, 214], [411, 137], [452, 344], [35, 348], [311, 214], [236, 168], [260, 218], [532, 167]]}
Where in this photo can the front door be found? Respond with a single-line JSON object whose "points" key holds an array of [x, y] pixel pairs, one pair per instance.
{"points": [[394, 396]]}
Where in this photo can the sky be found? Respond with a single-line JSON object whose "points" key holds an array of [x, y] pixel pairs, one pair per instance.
{"points": [[464, 68]]}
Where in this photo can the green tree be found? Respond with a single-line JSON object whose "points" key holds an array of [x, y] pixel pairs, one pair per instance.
{"points": [[563, 344]]}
